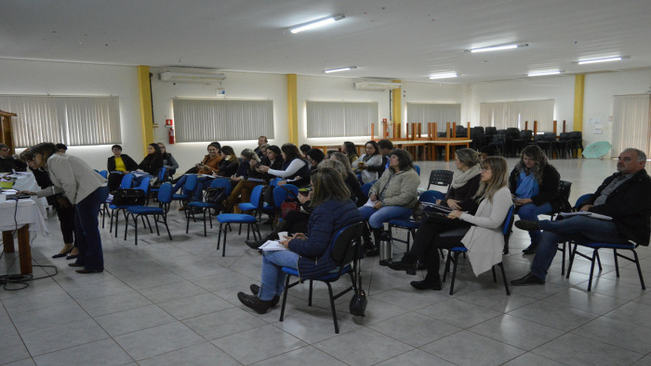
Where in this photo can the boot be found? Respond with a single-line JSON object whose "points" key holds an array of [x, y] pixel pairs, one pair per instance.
{"points": [[374, 250], [256, 244]]}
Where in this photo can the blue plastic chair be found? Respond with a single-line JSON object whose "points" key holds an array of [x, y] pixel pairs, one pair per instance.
{"points": [[255, 206], [126, 183], [417, 169], [410, 224], [190, 186], [162, 177], [164, 198], [270, 209], [207, 206], [226, 219], [103, 173], [562, 246], [506, 231], [115, 210], [346, 253]]}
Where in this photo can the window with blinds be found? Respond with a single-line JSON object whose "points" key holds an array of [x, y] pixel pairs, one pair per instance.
{"points": [[73, 121], [513, 114], [440, 113], [338, 119], [198, 120]]}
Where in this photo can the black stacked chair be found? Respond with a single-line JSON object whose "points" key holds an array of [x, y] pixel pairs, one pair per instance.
{"points": [[512, 133], [490, 133], [522, 141], [462, 131], [499, 140], [564, 145], [478, 137], [577, 142]]}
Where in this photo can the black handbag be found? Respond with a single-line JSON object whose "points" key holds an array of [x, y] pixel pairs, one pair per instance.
{"points": [[214, 195], [129, 197], [358, 303]]}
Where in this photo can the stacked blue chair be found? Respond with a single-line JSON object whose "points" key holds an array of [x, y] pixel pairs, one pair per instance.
{"points": [[164, 198], [346, 253], [115, 210], [207, 206], [410, 224], [506, 231]]}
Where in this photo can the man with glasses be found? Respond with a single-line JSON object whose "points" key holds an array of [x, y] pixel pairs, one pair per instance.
{"points": [[624, 196], [9, 163]]}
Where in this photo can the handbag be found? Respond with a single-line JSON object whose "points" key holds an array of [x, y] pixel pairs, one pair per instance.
{"points": [[129, 197], [358, 303], [214, 195], [290, 203]]}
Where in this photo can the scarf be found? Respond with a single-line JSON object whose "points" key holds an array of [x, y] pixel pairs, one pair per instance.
{"points": [[527, 186], [461, 178]]}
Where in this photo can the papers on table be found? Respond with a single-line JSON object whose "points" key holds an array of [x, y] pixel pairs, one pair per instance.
{"points": [[585, 213]]}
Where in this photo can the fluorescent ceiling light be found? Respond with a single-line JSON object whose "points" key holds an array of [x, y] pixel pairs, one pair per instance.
{"points": [[544, 73], [340, 69], [611, 59], [316, 24], [443, 76], [498, 48]]}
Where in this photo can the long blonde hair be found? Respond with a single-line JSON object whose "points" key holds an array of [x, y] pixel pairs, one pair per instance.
{"points": [[499, 177]]}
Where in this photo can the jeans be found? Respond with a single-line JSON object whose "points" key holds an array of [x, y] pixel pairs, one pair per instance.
{"points": [[273, 278], [574, 228], [531, 212], [377, 218], [87, 235]]}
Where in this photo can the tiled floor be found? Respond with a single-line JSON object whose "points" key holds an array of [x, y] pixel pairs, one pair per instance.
{"points": [[174, 303]]}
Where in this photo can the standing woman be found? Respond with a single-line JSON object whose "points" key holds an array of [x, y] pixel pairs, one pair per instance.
{"points": [[85, 189], [372, 158], [534, 183], [393, 196], [481, 233]]}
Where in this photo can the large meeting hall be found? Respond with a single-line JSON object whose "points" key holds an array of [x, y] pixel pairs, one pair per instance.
{"points": [[432, 77]]}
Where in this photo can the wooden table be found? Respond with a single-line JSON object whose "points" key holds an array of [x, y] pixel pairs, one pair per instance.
{"points": [[21, 217], [24, 251], [404, 144], [447, 143]]}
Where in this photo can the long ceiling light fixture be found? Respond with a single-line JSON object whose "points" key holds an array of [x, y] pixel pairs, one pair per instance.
{"points": [[340, 69], [444, 76], [498, 48], [544, 73], [594, 61], [316, 24]]}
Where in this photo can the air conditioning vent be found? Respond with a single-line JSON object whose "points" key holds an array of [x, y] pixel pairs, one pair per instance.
{"points": [[187, 77]]}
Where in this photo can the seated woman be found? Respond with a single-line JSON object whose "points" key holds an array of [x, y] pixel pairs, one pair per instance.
{"points": [[118, 165], [465, 182], [294, 165], [393, 196], [481, 233], [168, 160], [351, 180], [151, 164], [350, 150], [229, 163], [534, 182], [313, 157], [309, 253], [372, 158], [209, 165]]}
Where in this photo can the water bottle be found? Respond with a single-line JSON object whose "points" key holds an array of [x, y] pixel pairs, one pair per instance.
{"points": [[386, 252]]}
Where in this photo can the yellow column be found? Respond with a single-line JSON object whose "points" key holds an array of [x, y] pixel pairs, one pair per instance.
{"points": [[146, 117], [579, 87], [292, 109], [397, 108]]}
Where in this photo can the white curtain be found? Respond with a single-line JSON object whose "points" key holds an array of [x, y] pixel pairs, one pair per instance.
{"points": [[631, 118], [339, 119], [440, 113], [493, 114], [503, 115], [537, 110], [73, 121], [198, 120]]}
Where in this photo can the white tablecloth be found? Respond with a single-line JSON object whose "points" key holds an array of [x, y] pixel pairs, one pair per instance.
{"points": [[26, 182], [13, 217]]}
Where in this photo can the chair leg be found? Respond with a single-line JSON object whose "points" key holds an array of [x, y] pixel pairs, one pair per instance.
{"points": [[167, 227], [563, 260], [454, 271], [332, 306], [282, 308], [572, 254], [447, 265], [639, 270], [616, 262], [224, 244], [595, 253], [135, 219], [219, 235], [506, 284], [309, 299], [205, 231], [155, 224], [126, 225]]}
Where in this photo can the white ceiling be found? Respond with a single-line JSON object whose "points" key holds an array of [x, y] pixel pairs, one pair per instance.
{"points": [[407, 40]]}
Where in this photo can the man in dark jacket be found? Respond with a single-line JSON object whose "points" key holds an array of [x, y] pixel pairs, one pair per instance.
{"points": [[624, 196], [8, 162]]}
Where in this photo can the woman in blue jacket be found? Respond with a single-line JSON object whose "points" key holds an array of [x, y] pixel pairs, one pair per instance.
{"points": [[309, 254]]}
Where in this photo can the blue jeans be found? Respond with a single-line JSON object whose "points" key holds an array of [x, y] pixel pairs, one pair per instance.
{"points": [[377, 218], [87, 235], [531, 212], [574, 228], [273, 278]]}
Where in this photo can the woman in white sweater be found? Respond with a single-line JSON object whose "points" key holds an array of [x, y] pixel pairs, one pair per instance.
{"points": [[85, 189], [481, 233]]}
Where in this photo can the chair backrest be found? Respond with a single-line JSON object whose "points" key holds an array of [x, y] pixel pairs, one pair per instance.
{"points": [[280, 194], [165, 193], [564, 188], [526, 134], [191, 183], [103, 173], [512, 132], [127, 181], [441, 178], [222, 182], [508, 224], [491, 130], [417, 169], [162, 174], [431, 196], [582, 199], [366, 187], [144, 185], [274, 182], [256, 196], [345, 244]]}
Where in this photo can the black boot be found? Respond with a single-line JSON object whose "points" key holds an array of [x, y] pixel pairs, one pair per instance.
{"points": [[403, 265], [374, 251], [255, 244]]}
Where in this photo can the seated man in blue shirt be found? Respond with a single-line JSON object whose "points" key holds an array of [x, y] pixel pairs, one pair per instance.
{"points": [[624, 196]]}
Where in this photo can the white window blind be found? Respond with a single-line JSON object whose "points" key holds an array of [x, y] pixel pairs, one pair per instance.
{"points": [[493, 115], [73, 121], [338, 119], [631, 119], [198, 120], [440, 113], [503, 115]]}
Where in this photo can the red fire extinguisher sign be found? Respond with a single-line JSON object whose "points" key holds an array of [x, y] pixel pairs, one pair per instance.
{"points": [[169, 122]]}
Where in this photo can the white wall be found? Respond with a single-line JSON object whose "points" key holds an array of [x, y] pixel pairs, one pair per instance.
{"points": [[58, 78], [237, 86], [598, 99], [560, 88]]}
